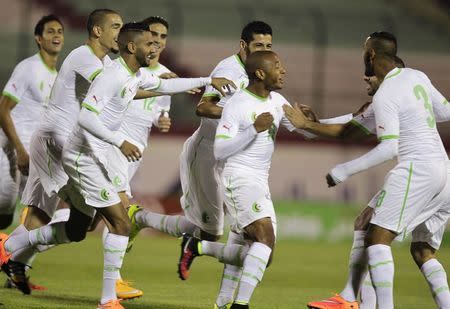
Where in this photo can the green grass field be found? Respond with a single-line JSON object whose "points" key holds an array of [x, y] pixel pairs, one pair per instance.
{"points": [[302, 271]]}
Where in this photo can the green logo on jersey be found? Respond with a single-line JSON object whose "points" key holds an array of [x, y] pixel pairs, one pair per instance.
{"points": [[380, 198], [242, 85], [122, 93], [256, 207], [253, 116], [104, 195], [116, 181], [272, 132]]}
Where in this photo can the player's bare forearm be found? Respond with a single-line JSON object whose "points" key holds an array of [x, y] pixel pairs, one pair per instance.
{"points": [[208, 108], [7, 124], [144, 94], [325, 130]]}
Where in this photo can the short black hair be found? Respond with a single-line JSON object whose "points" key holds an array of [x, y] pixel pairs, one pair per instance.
{"points": [[128, 33], [156, 20], [96, 17], [39, 28], [384, 43], [254, 27]]}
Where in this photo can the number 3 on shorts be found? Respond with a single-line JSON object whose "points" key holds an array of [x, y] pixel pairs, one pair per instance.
{"points": [[420, 93]]}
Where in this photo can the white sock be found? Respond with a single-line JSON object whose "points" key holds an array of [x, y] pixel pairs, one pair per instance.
{"points": [[381, 267], [172, 225], [114, 251], [357, 267], [60, 215], [255, 264], [18, 239], [104, 234], [231, 274], [52, 234], [436, 277], [226, 253], [368, 296]]}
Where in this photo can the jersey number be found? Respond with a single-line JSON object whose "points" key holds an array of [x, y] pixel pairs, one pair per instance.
{"points": [[420, 93]]}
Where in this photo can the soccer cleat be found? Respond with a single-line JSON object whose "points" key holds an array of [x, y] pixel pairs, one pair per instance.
{"points": [[239, 306], [35, 287], [4, 255], [335, 302], [226, 306], [112, 304], [18, 276], [135, 227], [189, 251], [124, 290]]}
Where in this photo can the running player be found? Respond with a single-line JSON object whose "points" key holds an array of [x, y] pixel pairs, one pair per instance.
{"points": [[405, 204], [202, 199], [90, 187], [29, 85], [245, 138]]}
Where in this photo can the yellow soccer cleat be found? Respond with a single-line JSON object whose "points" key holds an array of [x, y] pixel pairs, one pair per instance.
{"points": [[124, 290], [135, 227]]}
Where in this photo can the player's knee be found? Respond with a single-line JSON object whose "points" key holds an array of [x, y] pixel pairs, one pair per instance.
{"points": [[209, 237], [361, 224], [6, 220], [266, 238], [121, 227], [421, 252]]}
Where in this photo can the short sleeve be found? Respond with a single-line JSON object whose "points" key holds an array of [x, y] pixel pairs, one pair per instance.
{"points": [[366, 121], [229, 123], [89, 67], [18, 83], [386, 116], [100, 93]]}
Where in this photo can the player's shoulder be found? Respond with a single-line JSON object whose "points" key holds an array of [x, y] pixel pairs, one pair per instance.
{"points": [[81, 55], [29, 63], [278, 98], [229, 67]]}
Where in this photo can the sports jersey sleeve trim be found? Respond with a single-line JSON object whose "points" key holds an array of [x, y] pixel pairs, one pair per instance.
{"points": [[90, 108], [95, 74], [11, 96], [385, 137], [211, 94], [223, 136], [361, 126]]}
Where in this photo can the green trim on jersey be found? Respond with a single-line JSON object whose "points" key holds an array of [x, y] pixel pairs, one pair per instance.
{"points": [[95, 74], [385, 137], [53, 71], [90, 108], [394, 74], [126, 66], [90, 48], [445, 102], [239, 60], [256, 96], [406, 195], [361, 126], [11, 96], [222, 136], [154, 68], [211, 94], [159, 85]]}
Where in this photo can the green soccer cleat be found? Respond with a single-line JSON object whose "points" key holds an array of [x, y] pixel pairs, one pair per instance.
{"points": [[226, 306], [135, 227]]}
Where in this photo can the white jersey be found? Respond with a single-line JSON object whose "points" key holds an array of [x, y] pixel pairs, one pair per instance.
{"points": [[29, 86], [240, 113], [233, 69], [77, 72], [142, 114], [109, 96], [403, 108]]}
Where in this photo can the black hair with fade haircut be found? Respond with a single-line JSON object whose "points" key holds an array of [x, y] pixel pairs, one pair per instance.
{"points": [[384, 43], [156, 20], [254, 27], [128, 33], [96, 17], [39, 28]]}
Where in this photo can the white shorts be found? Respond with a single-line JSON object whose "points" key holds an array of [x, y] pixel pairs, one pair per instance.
{"points": [[9, 180], [405, 200], [46, 174], [202, 200], [89, 184], [247, 198], [118, 170]]}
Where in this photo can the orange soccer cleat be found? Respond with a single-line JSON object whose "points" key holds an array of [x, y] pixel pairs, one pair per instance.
{"points": [[335, 302], [112, 304], [4, 255]]}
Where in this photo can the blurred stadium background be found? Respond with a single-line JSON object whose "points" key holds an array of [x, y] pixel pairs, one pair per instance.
{"points": [[320, 43]]}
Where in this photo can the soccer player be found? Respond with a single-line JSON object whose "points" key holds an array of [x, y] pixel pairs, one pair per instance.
{"points": [[22, 104], [47, 176], [411, 198], [202, 199], [245, 138], [89, 188]]}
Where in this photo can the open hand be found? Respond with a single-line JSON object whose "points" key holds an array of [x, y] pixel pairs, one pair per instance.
{"points": [[130, 151], [222, 85]]}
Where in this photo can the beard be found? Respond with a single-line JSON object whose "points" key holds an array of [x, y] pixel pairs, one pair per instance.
{"points": [[142, 59], [369, 70]]}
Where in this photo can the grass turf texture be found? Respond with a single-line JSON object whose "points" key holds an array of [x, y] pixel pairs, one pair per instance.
{"points": [[302, 271]]}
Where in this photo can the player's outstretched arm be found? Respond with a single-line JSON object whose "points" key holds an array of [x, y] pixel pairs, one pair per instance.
{"points": [[6, 123]]}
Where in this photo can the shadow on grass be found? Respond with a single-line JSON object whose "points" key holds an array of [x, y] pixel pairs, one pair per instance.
{"points": [[156, 306], [67, 299]]}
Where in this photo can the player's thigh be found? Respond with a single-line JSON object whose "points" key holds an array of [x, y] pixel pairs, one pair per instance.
{"points": [[9, 184]]}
